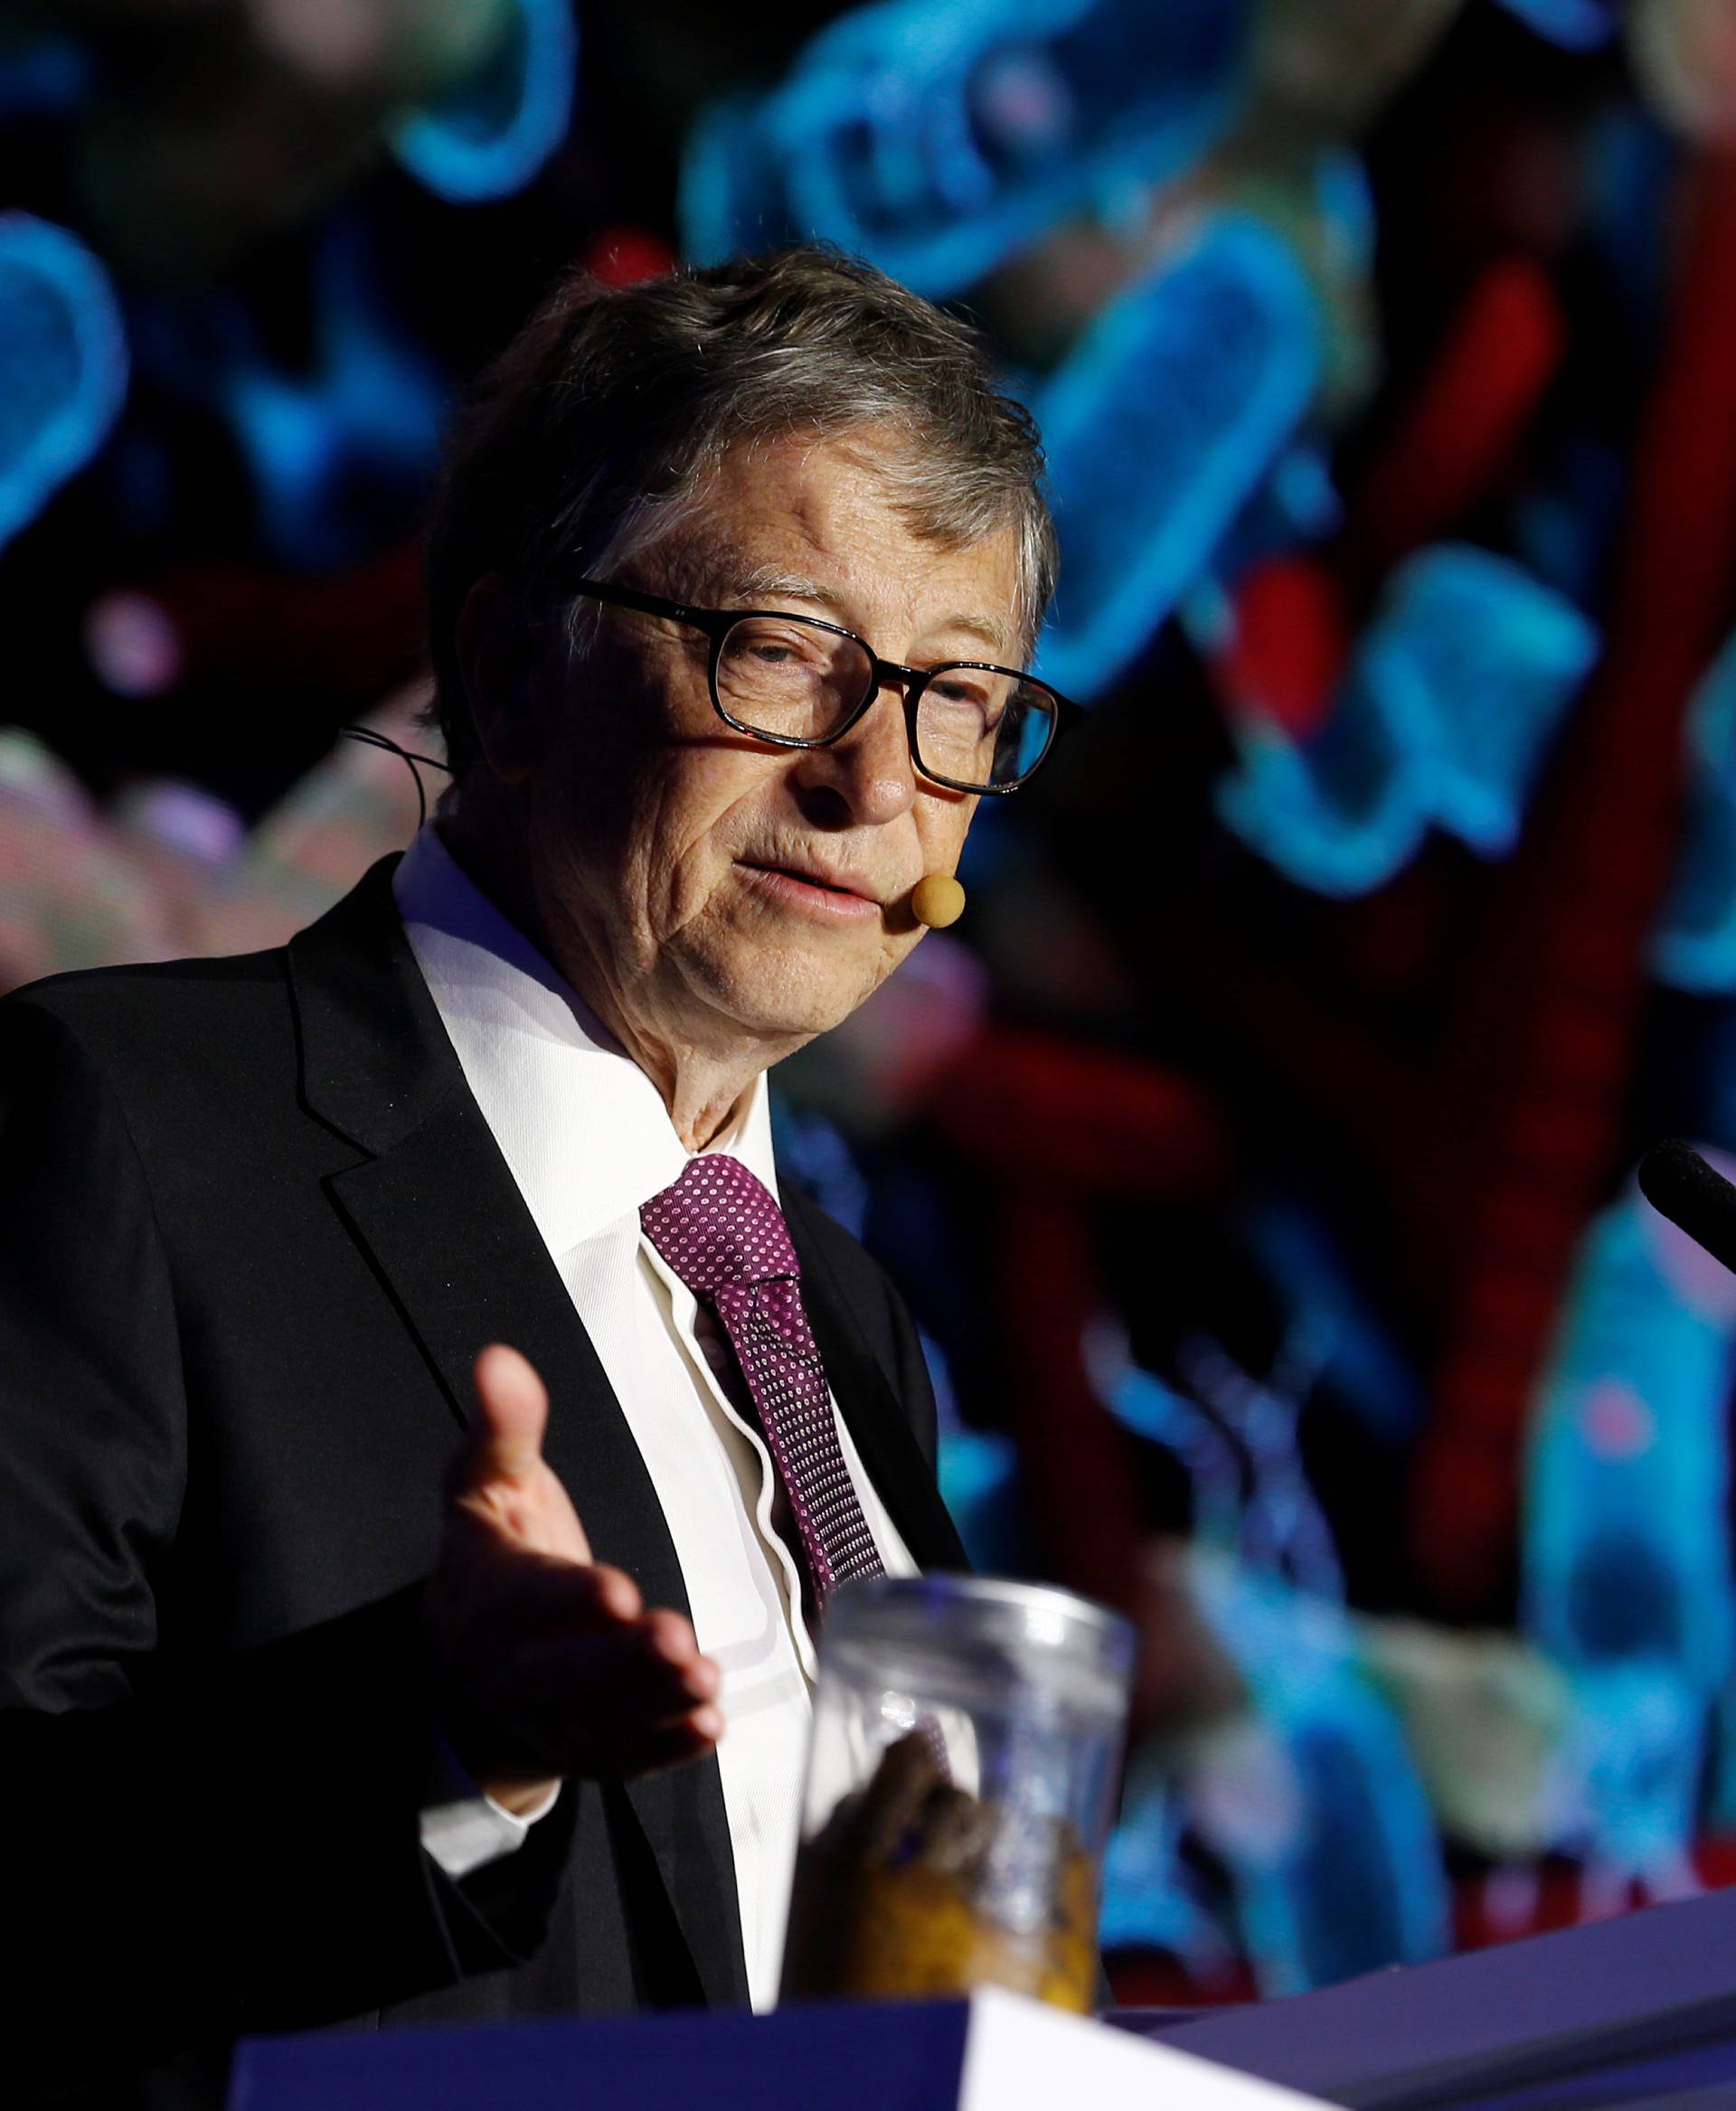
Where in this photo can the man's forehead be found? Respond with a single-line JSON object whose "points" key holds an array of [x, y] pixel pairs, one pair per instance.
{"points": [[807, 517]]}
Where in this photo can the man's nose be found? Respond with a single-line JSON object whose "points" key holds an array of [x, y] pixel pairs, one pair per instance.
{"points": [[868, 776]]}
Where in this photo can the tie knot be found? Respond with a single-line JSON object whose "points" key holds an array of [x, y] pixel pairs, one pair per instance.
{"points": [[718, 1226]]}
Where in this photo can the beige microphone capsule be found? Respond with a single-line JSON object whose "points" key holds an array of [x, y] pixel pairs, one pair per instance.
{"points": [[937, 900]]}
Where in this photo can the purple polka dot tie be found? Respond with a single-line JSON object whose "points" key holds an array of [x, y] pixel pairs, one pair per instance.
{"points": [[726, 1239]]}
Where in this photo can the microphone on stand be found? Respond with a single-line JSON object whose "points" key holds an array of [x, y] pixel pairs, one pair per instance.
{"points": [[1680, 1185], [937, 900]]}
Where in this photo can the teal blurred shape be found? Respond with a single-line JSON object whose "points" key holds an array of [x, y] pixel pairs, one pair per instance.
{"points": [[935, 137], [1449, 703], [63, 363], [1151, 1899], [1578, 26], [981, 1486], [1316, 1807], [1626, 1576], [339, 447], [1695, 946], [1310, 1801], [491, 134], [1168, 416]]}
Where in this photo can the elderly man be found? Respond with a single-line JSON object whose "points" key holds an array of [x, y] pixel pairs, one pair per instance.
{"points": [[304, 1718]]}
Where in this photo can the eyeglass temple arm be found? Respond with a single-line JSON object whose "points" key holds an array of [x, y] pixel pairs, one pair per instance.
{"points": [[707, 619]]}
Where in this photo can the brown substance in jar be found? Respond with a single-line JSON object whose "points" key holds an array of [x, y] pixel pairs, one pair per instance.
{"points": [[915, 1888]]}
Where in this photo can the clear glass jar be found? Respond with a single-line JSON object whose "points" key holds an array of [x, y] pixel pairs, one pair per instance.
{"points": [[961, 1781]]}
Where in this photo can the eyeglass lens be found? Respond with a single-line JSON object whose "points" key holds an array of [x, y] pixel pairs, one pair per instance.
{"points": [[794, 681]]}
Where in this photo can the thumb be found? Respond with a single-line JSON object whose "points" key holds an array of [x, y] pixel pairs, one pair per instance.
{"points": [[506, 1440], [498, 1472]]}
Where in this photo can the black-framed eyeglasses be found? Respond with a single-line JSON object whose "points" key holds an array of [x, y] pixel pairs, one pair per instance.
{"points": [[801, 683]]}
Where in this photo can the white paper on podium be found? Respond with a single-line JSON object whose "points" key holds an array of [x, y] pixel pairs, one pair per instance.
{"points": [[1020, 2056]]}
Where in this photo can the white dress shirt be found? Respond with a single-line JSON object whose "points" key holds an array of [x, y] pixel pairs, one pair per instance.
{"points": [[588, 1139]]}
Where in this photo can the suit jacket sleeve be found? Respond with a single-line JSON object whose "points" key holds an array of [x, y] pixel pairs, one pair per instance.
{"points": [[196, 1845]]}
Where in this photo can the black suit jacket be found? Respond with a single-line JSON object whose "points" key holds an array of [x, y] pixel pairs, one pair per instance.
{"points": [[253, 1230]]}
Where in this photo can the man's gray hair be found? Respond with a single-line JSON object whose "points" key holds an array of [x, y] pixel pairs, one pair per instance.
{"points": [[597, 428]]}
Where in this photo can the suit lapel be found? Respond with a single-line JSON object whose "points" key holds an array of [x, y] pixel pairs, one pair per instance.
{"points": [[436, 1209]]}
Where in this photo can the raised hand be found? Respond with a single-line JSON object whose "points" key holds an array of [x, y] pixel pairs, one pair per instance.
{"points": [[545, 1663]]}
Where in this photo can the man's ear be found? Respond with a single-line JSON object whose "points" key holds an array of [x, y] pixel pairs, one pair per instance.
{"points": [[499, 647]]}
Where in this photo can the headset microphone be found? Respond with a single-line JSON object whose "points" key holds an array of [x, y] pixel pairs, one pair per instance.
{"points": [[937, 900]]}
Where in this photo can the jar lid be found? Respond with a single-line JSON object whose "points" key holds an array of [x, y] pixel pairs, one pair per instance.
{"points": [[1031, 1632]]}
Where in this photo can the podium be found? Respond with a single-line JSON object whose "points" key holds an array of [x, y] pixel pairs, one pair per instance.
{"points": [[1638, 2013], [995, 2052]]}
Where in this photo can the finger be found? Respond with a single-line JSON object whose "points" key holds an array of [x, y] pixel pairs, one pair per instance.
{"points": [[511, 1413], [667, 1655], [521, 1592], [671, 1637], [674, 1747], [612, 1754], [698, 1678], [582, 1708], [618, 1595], [503, 1451], [562, 1599], [598, 1712], [614, 1675]]}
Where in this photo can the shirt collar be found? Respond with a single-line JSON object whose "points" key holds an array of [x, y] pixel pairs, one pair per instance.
{"points": [[581, 1127]]}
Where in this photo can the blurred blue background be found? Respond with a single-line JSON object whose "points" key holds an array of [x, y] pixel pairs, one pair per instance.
{"points": [[1257, 1153]]}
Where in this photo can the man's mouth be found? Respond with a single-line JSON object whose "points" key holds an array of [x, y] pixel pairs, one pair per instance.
{"points": [[810, 882], [812, 874]]}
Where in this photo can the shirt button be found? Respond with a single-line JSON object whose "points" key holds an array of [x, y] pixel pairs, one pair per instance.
{"points": [[716, 1352]]}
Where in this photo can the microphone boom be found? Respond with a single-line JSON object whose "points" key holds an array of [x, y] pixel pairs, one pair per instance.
{"points": [[1680, 1185]]}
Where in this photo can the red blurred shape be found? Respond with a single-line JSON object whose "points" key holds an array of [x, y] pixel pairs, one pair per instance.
{"points": [[1460, 429], [1088, 1120], [1533, 1088], [622, 256], [1551, 1896], [1154, 1979], [1056, 1128], [1291, 642], [1488, 1909], [350, 634]]}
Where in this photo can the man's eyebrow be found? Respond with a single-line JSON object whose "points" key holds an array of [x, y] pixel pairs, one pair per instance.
{"points": [[994, 634], [765, 585], [765, 581]]}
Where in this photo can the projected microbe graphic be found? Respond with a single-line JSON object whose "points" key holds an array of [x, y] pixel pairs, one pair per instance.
{"points": [[1445, 714], [1694, 946], [340, 440], [1165, 420], [1582, 25], [936, 139], [490, 135], [1627, 1580], [1345, 1867], [63, 362]]}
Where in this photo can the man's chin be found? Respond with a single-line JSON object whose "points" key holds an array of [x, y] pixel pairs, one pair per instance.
{"points": [[783, 993]]}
